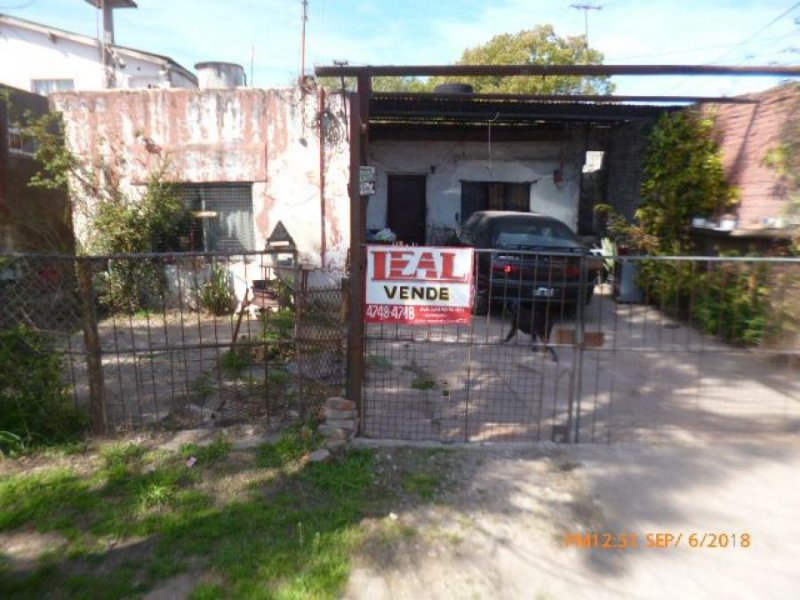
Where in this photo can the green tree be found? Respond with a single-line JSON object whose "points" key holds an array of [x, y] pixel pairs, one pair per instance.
{"points": [[683, 178], [785, 160], [538, 46]]}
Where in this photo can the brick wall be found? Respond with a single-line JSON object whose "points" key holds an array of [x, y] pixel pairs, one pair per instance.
{"points": [[747, 132]]}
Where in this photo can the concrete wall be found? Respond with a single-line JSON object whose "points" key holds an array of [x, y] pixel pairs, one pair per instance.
{"points": [[447, 164], [59, 55], [269, 138]]}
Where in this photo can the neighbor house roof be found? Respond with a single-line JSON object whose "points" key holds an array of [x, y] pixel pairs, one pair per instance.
{"points": [[55, 32]]}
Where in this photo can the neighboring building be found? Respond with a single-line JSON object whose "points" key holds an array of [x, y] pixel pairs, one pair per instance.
{"points": [[43, 59], [747, 133], [243, 158], [32, 219]]}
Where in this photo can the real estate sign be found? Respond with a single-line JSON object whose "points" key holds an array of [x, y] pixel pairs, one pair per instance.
{"points": [[419, 285]]}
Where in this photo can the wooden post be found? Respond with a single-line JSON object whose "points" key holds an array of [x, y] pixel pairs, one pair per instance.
{"points": [[94, 355]]}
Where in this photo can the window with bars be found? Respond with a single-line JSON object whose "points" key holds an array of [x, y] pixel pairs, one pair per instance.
{"points": [[494, 195], [221, 217]]}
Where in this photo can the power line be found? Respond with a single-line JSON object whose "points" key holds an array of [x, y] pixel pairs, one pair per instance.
{"points": [[743, 42], [757, 33], [694, 49]]}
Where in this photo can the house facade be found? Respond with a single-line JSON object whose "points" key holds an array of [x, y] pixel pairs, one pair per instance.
{"points": [[244, 159], [58, 60], [440, 157]]}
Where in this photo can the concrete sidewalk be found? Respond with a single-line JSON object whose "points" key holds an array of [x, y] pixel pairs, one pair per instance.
{"points": [[499, 530]]}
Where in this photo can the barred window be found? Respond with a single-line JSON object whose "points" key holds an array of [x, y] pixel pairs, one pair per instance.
{"points": [[222, 217]]}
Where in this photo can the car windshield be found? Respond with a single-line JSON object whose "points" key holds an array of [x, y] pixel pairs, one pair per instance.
{"points": [[533, 235]]}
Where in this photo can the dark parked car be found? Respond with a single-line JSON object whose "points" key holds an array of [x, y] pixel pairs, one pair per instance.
{"points": [[527, 258]]}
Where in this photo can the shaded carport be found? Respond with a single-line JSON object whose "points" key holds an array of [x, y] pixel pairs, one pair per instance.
{"points": [[403, 116]]}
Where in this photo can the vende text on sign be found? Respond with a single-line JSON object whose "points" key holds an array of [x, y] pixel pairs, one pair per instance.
{"points": [[419, 285]]}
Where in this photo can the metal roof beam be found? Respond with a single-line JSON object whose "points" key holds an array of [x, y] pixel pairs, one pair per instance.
{"points": [[561, 98], [549, 70]]}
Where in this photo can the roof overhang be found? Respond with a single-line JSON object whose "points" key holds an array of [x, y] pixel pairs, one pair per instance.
{"points": [[391, 113]]}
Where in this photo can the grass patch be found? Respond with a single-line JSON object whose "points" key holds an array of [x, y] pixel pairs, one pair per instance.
{"points": [[291, 446], [423, 384], [424, 485], [142, 516], [214, 452]]}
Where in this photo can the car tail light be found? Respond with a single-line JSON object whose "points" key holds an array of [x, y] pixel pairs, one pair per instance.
{"points": [[572, 271], [506, 269]]}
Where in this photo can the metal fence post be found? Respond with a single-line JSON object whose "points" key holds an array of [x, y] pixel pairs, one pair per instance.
{"points": [[576, 383], [94, 356], [355, 330]]}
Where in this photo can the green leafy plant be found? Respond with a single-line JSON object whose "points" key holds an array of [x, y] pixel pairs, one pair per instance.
{"points": [[234, 361], [35, 405], [111, 220], [733, 302], [215, 294], [11, 444]]}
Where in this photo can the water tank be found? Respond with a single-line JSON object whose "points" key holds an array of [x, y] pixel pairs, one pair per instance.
{"points": [[454, 88], [220, 75]]}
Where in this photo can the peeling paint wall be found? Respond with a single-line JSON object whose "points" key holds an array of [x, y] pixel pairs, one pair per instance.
{"points": [[447, 164], [269, 138]]}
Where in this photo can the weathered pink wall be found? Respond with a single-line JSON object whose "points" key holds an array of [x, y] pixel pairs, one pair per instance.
{"points": [[267, 137]]}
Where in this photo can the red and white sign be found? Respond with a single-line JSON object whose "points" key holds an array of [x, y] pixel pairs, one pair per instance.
{"points": [[419, 285]]}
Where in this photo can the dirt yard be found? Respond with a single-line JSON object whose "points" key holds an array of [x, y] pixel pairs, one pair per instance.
{"points": [[642, 376], [497, 521]]}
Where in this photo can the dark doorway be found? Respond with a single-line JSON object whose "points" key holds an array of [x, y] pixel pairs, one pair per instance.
{"points": [[406, 212]]}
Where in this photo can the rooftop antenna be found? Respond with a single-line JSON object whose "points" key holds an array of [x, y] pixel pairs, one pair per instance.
{"points": [[586, 8], [303, 42]]}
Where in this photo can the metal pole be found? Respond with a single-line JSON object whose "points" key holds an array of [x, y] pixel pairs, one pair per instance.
{"points": [[94, 358], [355, 331]]}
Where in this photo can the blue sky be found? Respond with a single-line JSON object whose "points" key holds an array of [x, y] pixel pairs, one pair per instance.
{"points": [[735, 32]]}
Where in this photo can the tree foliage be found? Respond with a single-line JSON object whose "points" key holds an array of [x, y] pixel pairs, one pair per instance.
{"points": [[785, 160], [538, 46], [683, 178]]}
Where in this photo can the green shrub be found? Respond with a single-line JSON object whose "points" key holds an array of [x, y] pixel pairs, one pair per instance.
{"points": [[216, 295], [733, 302], [35, 404]]}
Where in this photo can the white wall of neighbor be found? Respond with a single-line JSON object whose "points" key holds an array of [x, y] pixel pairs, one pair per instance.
{"points": [[30, 54], [447, 164]]}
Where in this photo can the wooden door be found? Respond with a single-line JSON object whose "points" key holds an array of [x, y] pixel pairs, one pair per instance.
{"points": [[407, 208]]}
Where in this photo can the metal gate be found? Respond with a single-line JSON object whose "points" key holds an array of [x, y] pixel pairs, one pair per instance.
{"points": [[658, 349]]}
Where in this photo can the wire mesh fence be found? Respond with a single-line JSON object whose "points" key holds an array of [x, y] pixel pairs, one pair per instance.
{"points": [[182, 340], [614, 349]]}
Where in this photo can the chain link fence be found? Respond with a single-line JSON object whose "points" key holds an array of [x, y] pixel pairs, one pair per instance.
{"points": [[182, 340]]}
